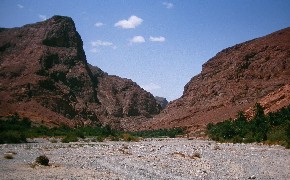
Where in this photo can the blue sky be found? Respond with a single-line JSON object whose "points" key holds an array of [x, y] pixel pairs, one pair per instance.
{"points": [[159, 44]]}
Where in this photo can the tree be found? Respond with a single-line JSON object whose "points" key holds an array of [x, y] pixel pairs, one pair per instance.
{"points": [[241, 124], [260, 125]]}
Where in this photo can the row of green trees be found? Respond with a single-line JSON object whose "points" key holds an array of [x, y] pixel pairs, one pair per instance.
{"points": [[273, 128], [14, 129]]}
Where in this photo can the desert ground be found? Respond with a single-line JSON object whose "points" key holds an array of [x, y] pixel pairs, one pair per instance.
{"points": [[162, 158]]}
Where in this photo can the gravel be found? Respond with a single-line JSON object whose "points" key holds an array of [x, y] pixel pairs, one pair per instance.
{"points": [[148, 159]]}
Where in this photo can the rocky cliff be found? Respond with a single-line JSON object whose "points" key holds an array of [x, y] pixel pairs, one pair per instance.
{"points": [[234, 80], [161, 101], [44, 76]]}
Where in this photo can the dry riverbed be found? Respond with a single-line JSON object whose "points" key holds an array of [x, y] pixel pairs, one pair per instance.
{"points": [[148, 159]]}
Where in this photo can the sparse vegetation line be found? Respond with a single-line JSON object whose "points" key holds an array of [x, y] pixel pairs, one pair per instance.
{"points": [[14, 129]]}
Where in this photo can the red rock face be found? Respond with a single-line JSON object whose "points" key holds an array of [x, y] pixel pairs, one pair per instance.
{"points": [[234, 80], [44, 76]]}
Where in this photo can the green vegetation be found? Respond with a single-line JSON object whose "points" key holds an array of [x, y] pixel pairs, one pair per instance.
{"points": [[11, 130], [47, 84], [172, 133], [129, 137], [70, 138], [14, 129], [273, 128], [42, 160]]}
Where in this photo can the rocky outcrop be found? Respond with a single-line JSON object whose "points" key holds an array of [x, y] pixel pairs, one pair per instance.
{"points": [[273, 101], [161, 101], [234, 80], [44, 76]]}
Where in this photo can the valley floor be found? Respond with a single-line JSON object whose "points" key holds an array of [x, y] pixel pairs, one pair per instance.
{"points": [[148, 159]]}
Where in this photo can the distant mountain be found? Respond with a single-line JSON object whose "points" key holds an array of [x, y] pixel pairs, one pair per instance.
{"points": [[161, 101], [234, 80], [44, 75]]}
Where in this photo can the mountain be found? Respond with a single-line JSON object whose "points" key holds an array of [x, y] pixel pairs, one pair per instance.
{"points": [[161, 101], [233, 80], [44, 75]]}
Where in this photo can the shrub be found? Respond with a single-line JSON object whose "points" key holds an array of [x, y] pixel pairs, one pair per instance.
{"points": [[114, 138], [53, 140], [129, 137], [100, 138], [47, 84], [80, 134], [69, 138], [42, 72], [237, 139], [42, 160], [11, 136]]}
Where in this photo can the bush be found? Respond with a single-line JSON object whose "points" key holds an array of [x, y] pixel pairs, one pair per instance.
{"points": [[80, 134], [98, 139], [237, 139], [288, 134], [114, 138], [129, 137], [47, 84], [69, 138], [53, 140], [42, 160], [12, 137]]}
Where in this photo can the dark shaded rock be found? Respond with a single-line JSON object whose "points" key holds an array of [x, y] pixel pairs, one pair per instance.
{"points": [[124, 98], [161, 101]]}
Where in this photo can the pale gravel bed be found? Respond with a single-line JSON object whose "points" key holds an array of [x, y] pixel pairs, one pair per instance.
{"points": [[147, 159]]}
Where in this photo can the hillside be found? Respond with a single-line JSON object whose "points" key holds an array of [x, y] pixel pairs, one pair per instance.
{"points": [[44, 75], [234, 80]]}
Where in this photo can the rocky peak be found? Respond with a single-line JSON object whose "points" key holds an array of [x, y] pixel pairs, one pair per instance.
{"points": [[61, 33]]}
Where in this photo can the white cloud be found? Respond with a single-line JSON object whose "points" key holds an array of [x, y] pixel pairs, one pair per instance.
{"points": [[168, 5], [94, 50], [99, 24], [137, 39], [151, 86], [157, 39], [101, 43], [132, 22], [42, 17], [20, 6]]}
